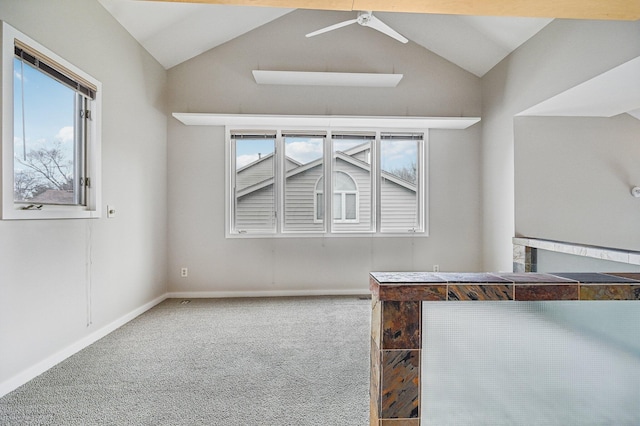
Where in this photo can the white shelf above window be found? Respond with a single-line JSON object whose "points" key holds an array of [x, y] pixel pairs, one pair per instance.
{"points": [[311, 78], [342, 121]]}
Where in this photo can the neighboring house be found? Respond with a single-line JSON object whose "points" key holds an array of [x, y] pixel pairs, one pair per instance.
{"points": [[54, 196], [304, 195]]}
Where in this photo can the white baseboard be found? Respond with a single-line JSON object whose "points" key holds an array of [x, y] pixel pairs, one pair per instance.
{"points": [[42, 366], [264, 293]]}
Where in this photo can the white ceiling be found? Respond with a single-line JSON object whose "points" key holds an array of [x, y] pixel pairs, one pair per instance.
{"points": [[611, 93], [175, 32]]}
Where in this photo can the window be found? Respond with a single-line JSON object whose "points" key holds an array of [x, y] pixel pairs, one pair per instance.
{"points": [[352, 182], [254, 171], [304, 165], [50, 121], [345, 199], [399, 185], [279, 181]]}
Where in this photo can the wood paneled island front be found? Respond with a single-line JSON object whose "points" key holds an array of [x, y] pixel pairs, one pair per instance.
{"points": [[396, 322]]}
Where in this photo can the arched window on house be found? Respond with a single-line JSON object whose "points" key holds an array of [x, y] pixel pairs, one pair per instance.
{"points": [[345, 199]]}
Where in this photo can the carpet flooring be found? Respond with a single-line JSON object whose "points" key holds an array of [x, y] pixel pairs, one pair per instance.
{"points": [[271, 361]]}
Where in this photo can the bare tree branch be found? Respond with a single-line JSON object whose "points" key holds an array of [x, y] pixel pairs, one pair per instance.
{"points": [[46, 168]]}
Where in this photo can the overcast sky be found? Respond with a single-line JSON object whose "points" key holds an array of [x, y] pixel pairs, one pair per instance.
{"points": [[395, 154]]}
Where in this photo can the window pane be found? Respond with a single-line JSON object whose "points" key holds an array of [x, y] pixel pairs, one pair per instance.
{"points": [[399, 185], [254, 192], [337, 207], [47, 159], [320, 206], [352, 173], [350, 207], [304, 166], [343, 182]]}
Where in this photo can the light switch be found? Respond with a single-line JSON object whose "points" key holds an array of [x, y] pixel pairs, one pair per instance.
{"points": [[111, 211]]}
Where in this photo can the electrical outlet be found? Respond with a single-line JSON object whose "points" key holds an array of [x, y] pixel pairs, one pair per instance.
{"points": [[436, 268], [184, 272]]}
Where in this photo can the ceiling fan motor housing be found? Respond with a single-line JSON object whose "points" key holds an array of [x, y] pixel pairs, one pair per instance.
{"points": [[364, 18]]}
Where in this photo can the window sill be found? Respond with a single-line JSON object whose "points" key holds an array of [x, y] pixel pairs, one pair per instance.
{"points": [[329, 235], [50, 212]]}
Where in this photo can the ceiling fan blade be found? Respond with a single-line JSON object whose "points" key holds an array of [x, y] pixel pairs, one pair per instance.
{"points": [[377, 24], [332, 27]]}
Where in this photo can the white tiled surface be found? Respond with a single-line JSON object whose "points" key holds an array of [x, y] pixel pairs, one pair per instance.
{"points": [[603, 253]]}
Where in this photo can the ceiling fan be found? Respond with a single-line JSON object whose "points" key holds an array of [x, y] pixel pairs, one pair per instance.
{"points": [[366, 19]]}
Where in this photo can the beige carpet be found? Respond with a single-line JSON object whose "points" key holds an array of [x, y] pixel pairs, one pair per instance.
{"points": [[281, 361]]}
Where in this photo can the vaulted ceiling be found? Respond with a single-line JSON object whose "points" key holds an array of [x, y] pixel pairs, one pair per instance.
{"points": [[461, 31], [174, 32]]}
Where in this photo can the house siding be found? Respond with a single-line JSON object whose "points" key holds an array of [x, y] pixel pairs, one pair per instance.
{"points": [[255, 209], [398, 207], [255, 173], [299, 209]]}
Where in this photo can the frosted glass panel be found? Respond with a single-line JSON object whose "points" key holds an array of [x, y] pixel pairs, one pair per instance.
{"points": [[531, 363]]}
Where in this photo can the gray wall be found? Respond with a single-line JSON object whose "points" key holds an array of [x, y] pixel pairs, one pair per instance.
{"points": [[50, 269], [573, 178], [563, 54], [220, 81]]}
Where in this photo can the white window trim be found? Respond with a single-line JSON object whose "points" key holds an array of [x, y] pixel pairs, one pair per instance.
{"points": [[230, 182], [375, 232], [10, 209]]}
